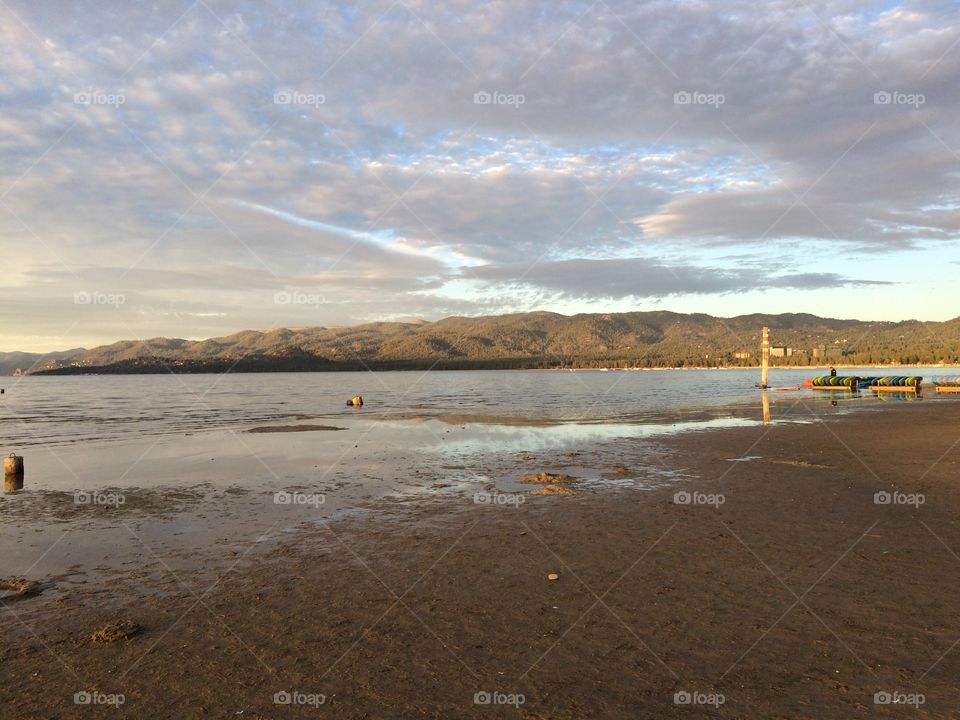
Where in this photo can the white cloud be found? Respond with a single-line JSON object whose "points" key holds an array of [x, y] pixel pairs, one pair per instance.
{"points": [[208, 192]]}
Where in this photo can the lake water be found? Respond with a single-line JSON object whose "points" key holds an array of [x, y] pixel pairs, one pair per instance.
{"points": [[197, 487], [54, 411]]}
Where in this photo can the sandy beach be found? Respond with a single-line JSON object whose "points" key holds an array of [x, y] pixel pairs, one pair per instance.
{"points": [[767, 579]]}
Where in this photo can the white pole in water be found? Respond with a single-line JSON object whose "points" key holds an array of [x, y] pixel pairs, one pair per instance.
{"points": [[764, 357]]}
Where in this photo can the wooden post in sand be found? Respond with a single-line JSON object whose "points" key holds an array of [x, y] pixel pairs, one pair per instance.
{"points": [[764, 357], [12, 473]]}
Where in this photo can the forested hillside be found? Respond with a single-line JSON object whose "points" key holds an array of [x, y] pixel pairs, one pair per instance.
{"points": [[526, 340]]}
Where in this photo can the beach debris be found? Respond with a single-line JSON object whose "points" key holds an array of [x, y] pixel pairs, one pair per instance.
{"points": [[561, 490], [122, 630], [355, 401], [14, 588], [546, 478], [553, 576]]}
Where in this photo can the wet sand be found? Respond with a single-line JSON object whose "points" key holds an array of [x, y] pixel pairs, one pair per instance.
{"points": [[294, 428], [760, 570]]}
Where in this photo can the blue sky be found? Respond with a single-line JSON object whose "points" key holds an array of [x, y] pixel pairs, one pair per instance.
{"points": [[193, 169]]}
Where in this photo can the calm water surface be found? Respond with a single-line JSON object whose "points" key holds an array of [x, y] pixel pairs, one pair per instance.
{"points": [[52, 411], [198, 488]]}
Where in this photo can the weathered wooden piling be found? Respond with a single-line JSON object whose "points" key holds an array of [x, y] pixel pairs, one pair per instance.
{"points": [[12, 473]]}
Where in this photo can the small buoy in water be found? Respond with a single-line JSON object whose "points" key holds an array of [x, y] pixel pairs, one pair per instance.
{"points": [[12, 473], [553, 576], [355, 401]]}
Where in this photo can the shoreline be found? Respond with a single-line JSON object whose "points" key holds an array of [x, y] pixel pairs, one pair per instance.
{"points": [[779, 598], [421, 367]]}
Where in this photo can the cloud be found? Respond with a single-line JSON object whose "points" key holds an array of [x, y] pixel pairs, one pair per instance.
{"points": [[648, 278], [151, 149]]}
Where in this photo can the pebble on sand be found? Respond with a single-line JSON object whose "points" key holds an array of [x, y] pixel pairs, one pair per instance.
{"points": [[553, 576]]}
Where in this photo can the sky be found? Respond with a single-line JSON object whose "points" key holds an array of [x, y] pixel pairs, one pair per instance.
{"points": [[193, 169]]}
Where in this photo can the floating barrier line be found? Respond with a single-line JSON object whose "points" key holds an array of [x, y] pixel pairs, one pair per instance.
{"points": [[836, 382], [903, 383]]}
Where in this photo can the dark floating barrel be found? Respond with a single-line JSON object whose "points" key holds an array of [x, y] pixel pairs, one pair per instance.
{"points": [[12, 473]]}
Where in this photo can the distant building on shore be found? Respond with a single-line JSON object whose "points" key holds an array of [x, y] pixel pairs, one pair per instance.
{"points": [[781, 351], [741, 356]]}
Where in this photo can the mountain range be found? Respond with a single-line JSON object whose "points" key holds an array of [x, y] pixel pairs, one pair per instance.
{"points": [[523, 340]]}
